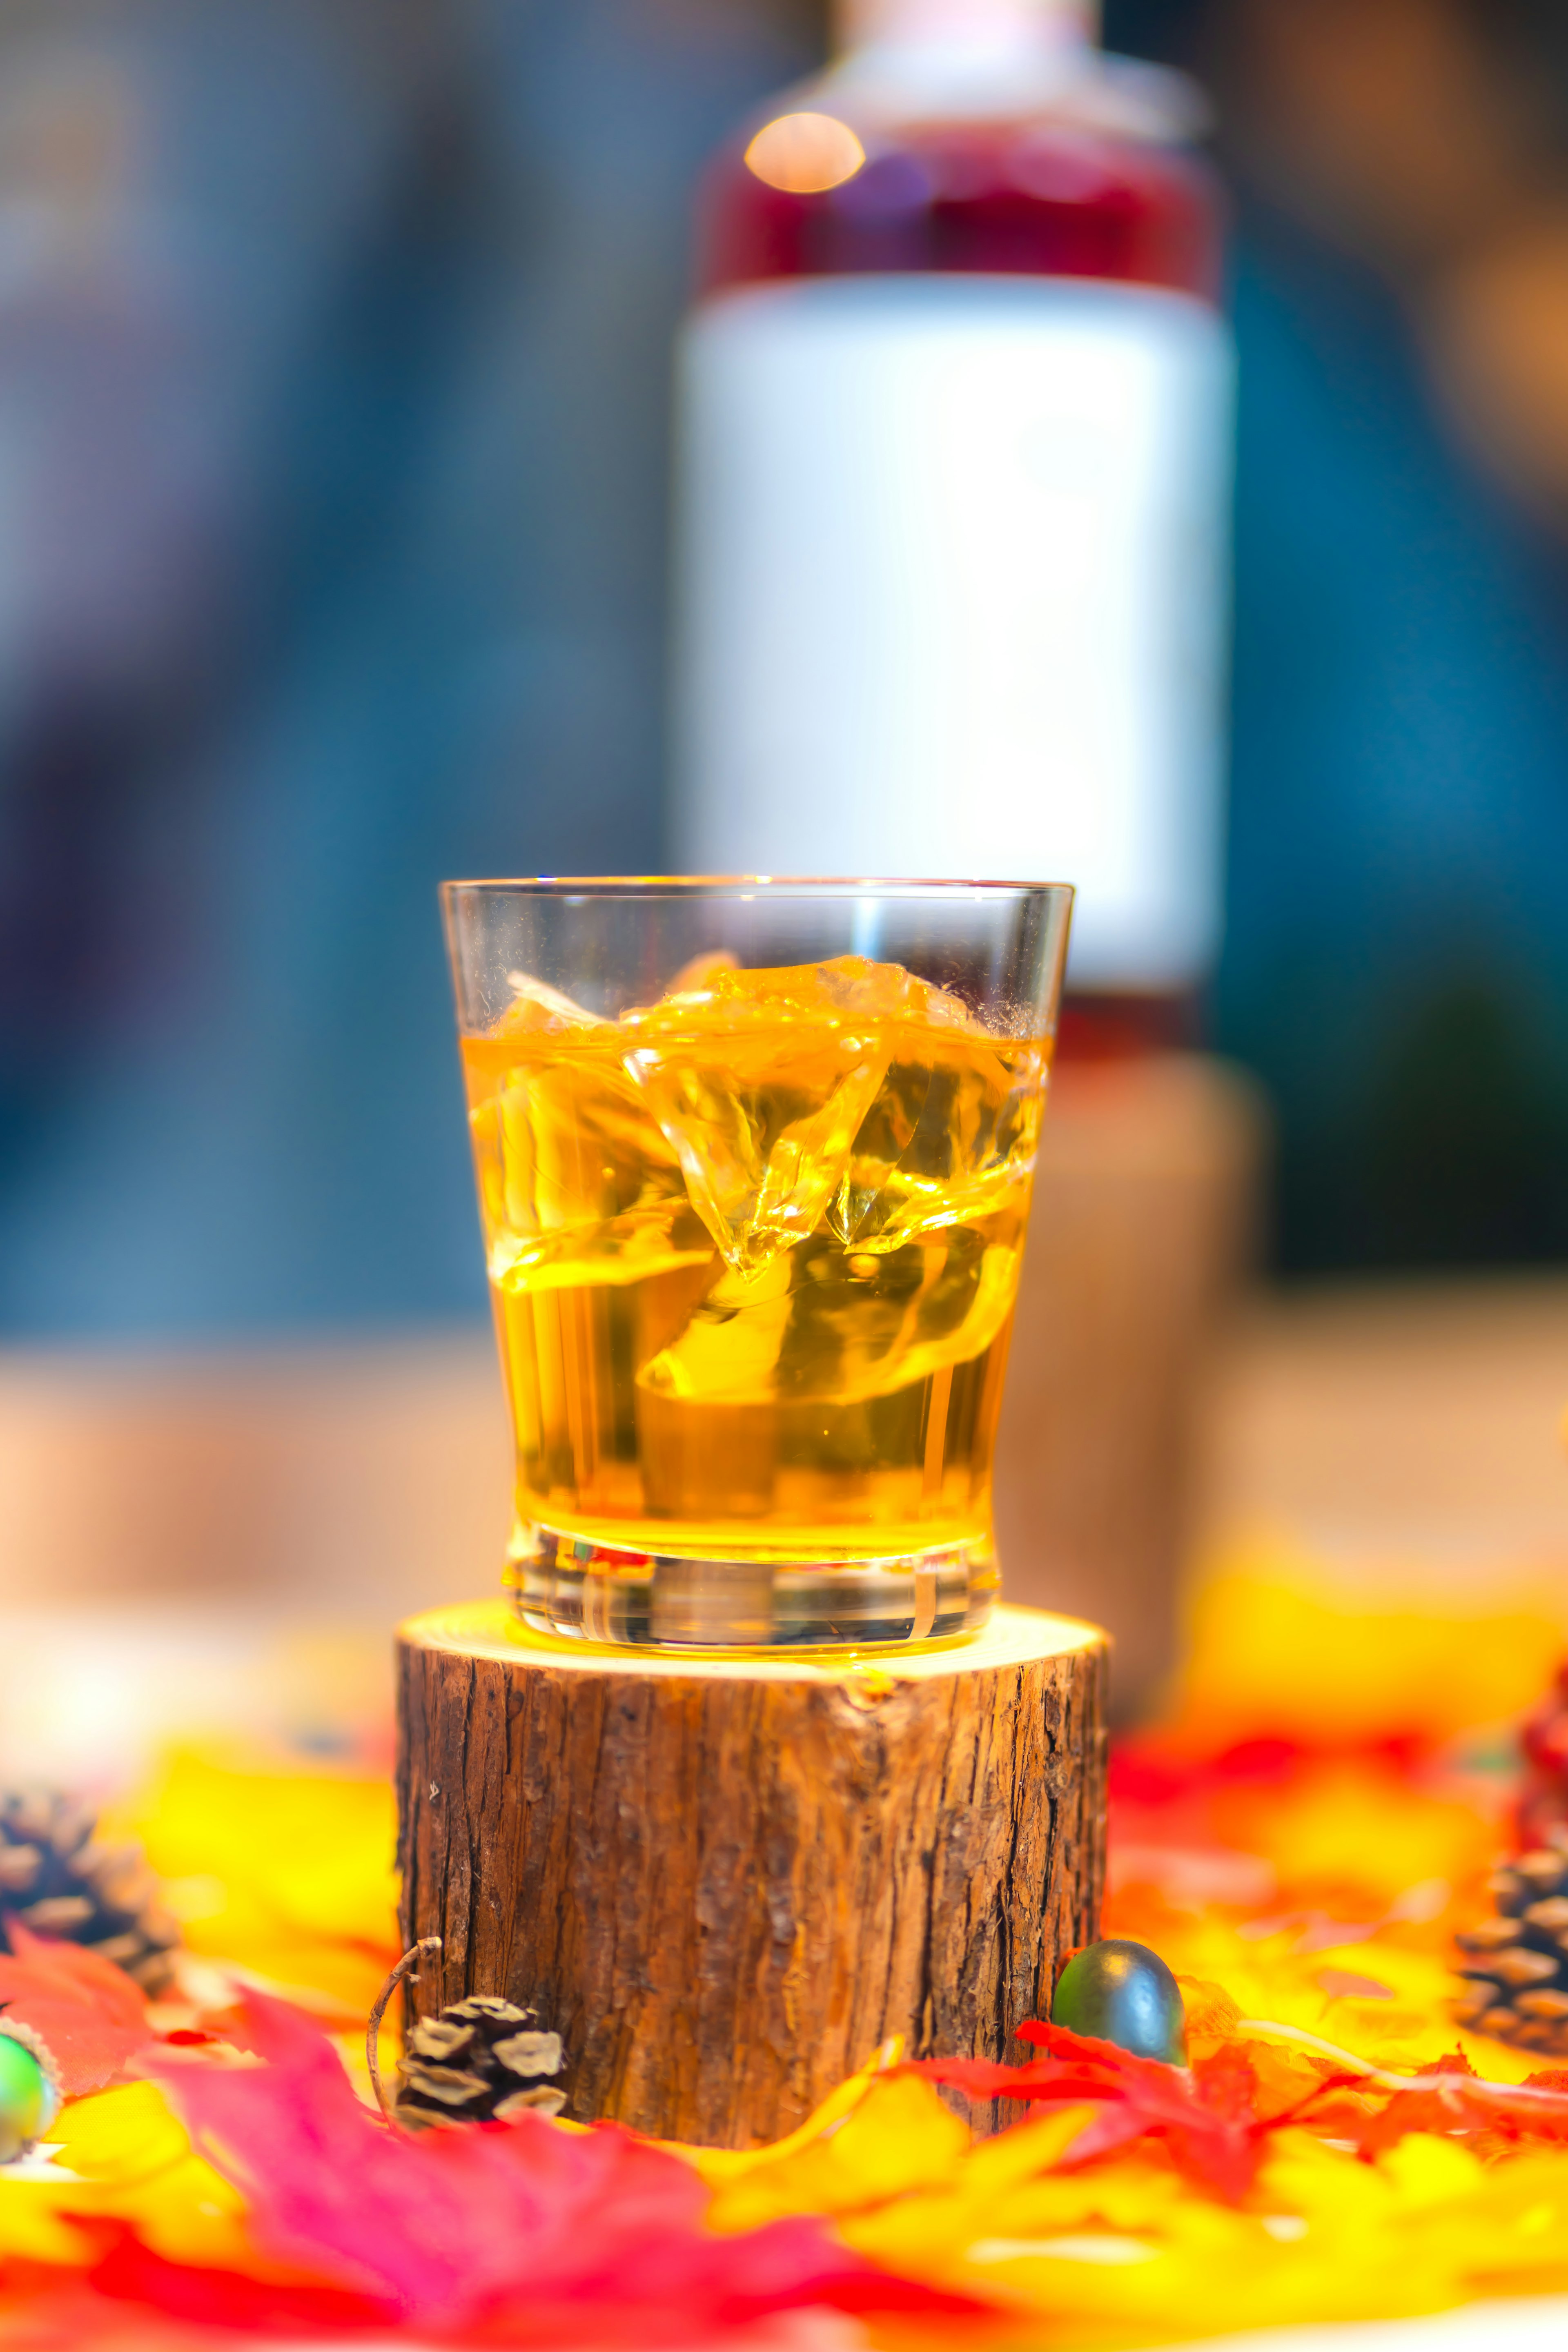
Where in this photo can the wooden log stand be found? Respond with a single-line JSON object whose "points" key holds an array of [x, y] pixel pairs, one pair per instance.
{"points": [[726, 1883]]}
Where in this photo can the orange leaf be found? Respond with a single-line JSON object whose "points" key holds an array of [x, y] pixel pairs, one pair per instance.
{"points": [[91, 2013]]}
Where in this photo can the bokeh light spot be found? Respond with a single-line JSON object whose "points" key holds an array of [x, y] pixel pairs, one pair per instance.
{"points": [[804, 154]]}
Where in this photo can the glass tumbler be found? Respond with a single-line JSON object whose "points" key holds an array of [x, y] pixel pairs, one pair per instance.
{"points": [[754, 1160]]}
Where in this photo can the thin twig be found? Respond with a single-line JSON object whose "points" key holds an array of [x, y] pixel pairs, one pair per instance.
{"points": [[1384, 2080], [405, 1968]]}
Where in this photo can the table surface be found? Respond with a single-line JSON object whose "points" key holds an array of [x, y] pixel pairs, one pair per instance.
{"points": [[227, 1539], [1424, 1420], [1417, 1417]]}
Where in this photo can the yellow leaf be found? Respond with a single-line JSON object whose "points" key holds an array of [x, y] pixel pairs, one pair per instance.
{"points": [[285, 1874], [1280, 1650], [898, 2137], [122, 2155], [32, 2227], [719, 2164], [120, 2137]]}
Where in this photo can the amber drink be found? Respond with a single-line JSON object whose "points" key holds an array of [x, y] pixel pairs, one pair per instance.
{"points": [[753, 1244]]}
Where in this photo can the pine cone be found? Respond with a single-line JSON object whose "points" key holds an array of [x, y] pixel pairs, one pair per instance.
{"points": [[1517, 1963], [59, 1880], [481, 2061]]}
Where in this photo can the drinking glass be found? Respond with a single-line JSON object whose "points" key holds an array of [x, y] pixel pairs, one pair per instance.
{"points": [[754, 1160]]}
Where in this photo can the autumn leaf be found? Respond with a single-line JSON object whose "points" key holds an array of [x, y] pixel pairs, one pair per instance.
{"points": [[1451, 2099], [91, 2013], [499, 2225], [1206, 2114]]}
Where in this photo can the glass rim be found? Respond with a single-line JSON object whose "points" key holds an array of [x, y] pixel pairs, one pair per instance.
{"points": [[678, 886]]}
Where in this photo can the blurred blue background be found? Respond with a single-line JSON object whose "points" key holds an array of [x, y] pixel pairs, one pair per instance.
{"points": [[333, 356]]}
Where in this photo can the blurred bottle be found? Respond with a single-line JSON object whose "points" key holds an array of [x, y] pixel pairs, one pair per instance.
{"points": [[954, 428]]}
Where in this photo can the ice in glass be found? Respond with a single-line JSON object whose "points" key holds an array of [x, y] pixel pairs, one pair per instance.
{"points": [[754, 1160], [755, 1250]]}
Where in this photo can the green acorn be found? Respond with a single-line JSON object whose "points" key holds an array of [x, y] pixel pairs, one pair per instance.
{"points": [[1123, 1992], [29, 2090]]}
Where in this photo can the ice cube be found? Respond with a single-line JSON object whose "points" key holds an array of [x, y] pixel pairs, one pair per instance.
{"points": [[728, 1351], [884, 1136], [761, 1080], [966, 1151], [816, 1326], [697, 973], [806, 1165], [855, 986], [868, 991], [758, 1179], [654, 1240], [535, 1005], [708, 1127], [960, 1309], [577, 1183], [713, 993]]}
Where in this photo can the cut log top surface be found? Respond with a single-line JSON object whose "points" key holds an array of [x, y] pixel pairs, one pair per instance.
{"points": [[488, 1629]]}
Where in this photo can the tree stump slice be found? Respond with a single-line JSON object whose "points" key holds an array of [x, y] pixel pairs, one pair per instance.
{"points": [[726, 1883]]}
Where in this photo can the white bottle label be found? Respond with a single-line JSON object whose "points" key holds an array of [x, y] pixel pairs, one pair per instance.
{"points": [[950, 567], [856, 23]]}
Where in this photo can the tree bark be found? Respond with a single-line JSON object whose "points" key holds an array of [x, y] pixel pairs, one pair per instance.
{"points": [[725, 1883]]}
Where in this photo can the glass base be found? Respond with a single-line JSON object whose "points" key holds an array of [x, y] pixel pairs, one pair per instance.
{"points": [[567, 1584]]}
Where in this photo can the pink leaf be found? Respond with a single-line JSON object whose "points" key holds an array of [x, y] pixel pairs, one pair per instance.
{"points": [[484, 2225]]}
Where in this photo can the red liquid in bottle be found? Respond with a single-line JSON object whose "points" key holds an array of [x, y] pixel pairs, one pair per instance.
{"points": [[1023, 197]]}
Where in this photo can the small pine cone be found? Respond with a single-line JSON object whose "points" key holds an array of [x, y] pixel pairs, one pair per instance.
{"points": [[1516, 1963], [481, 2061], [57, 1879]]}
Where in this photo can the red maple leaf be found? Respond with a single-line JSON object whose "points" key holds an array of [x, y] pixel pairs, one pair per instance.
{"points": [[518, 2228], [1206, 2114]]}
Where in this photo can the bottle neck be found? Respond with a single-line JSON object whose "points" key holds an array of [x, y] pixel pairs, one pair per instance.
{"points": [[1020, 27]]}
